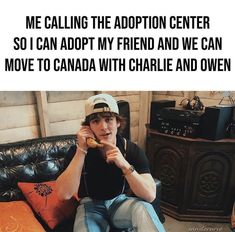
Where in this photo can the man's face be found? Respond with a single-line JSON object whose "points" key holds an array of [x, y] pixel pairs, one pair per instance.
{"points": [[105, 127]]}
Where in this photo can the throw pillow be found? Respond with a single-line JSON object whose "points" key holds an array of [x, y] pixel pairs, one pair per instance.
{"points": [[44, 200], [18, 216]]}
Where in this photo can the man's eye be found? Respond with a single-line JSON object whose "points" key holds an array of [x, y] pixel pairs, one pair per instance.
{"points": [[108, 119], [95, 121]]}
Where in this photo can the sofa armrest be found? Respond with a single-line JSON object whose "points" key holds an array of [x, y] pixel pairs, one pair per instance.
{"points": [[156, 203]]}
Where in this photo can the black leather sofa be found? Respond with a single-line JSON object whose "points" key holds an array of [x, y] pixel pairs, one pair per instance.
{"points": [[39, 160]]}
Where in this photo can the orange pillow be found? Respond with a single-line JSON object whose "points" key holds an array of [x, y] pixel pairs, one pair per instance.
{"points": [[18, 216], [44, 200]]}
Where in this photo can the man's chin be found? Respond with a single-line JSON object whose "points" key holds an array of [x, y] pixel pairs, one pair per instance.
{"points": [[106, 139]]}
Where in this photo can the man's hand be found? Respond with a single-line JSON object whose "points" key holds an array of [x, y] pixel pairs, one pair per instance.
{"points": [[82, 135], [142, 185], [114, 155]]}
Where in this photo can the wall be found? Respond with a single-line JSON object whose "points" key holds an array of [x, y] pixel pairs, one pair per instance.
{"points": [[25, 115], [66, 111], [209, 98], [18, 116]]}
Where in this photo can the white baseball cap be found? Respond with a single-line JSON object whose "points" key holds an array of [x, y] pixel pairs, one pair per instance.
{"points": [[108, 100]]}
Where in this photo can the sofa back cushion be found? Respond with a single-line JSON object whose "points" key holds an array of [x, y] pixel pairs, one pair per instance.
{"points": [[34, 160]]}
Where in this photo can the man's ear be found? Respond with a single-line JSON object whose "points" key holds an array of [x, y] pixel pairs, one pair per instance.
{"points": [[118, 124]]}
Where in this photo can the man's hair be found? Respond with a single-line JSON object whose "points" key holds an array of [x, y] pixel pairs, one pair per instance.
{"points": [[119, 119]]}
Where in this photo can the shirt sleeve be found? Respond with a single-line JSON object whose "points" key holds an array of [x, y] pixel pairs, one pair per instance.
{"points": [[137, 158]]}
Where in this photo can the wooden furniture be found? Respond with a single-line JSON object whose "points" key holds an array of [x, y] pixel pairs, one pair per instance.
{"points": [[197, 175]]}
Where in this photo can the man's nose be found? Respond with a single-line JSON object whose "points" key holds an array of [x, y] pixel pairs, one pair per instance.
{"points": [[103, 124]]}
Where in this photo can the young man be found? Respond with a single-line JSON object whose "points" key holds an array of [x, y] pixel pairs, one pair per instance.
{"points": [[101, 175]]}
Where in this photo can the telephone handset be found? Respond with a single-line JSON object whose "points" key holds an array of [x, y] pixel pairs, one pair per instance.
{"points": [[93, 143]]}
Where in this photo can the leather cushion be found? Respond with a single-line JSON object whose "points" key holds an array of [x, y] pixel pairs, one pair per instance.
{"points": [[34, 160]]}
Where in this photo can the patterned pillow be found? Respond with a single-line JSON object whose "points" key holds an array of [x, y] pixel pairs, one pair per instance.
{"points": [[44, 200], [18, 216]]}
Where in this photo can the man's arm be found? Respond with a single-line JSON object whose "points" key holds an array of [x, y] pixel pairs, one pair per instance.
{"points": [[142, 185], [68, 182]]}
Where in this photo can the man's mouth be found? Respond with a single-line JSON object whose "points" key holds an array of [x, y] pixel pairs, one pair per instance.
{"points": [[106, 134]]}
